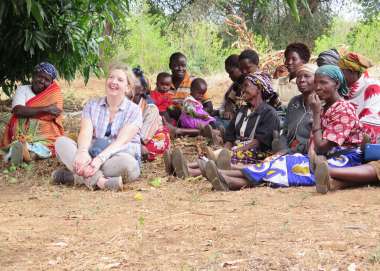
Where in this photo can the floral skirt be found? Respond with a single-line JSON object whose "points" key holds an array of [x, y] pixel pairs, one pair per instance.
{"points": [[159, 143], [251, 156]]}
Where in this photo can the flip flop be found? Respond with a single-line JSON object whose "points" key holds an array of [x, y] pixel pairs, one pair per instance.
{"points": [[322, 177], [202, 166], [180, 164], [17, 153], [168, 162], [224, 160], [217, 180]]}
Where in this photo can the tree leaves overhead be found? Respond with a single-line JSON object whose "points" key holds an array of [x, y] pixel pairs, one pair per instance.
{"points": [[67, 33]]}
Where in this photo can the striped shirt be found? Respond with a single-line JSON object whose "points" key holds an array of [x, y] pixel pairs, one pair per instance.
{"points": [[129, 113]]}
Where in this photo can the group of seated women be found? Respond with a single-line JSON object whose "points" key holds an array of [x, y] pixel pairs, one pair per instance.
{"points": [[320, 141]]}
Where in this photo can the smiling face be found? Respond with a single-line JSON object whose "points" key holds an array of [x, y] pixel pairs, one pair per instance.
{"points": [[293, 61], [250, 92], [117, 83], [305, 82], [325, 87], [40, 81], [178, 67], [246, 66]]}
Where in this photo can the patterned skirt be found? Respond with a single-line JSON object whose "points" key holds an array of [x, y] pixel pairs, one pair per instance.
{"points": [[159, 143], [251, 156], [294, 169]]}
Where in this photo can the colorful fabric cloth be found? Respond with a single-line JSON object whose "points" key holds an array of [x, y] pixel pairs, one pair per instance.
{"points": [[47, 68], [329, 57], [162, 100], [364, 94], [183, 91], [251, 156], [340, 124], [159, 143], [335, 74], [264, 83], [354, 62], [192, 107], [45, 128], [294, 169], [128, 113]]}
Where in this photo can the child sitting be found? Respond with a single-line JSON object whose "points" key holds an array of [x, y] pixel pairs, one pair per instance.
{"points": [[161, 96], [193, 114]]}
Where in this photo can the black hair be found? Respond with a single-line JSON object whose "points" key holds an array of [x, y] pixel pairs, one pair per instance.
{"points": [[232, 61], [139, 73], [251, 55], [301, 49], [176, 56], [197, 82], [162, 75]]}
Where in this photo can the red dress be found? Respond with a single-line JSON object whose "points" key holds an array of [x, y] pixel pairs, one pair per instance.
{"points": [[162, 100]]}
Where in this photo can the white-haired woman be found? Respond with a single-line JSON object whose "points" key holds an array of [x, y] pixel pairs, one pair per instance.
{"points": [[108, 149]]}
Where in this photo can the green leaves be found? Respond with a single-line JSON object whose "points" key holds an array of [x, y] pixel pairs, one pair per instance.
{"points": [[67, 33]]}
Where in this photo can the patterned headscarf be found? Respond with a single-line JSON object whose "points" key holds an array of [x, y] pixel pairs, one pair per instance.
{"points": [[263, 82], [354, 62], [310, 68], [335, 74], [329, 57], [47, 68]]}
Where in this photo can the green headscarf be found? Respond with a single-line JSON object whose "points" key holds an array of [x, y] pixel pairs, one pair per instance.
{"points": [[335, 74]]}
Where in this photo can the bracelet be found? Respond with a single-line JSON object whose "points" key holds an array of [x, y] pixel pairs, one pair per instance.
{"points": [[316, 130], [102, 158]]}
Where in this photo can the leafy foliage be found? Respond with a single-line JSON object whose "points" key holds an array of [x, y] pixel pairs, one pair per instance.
{"points": [[67, 33], [362, 37]]}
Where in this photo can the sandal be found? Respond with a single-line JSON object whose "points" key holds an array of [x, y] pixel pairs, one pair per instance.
{"points": [[217, 180], [202, 166], [180, 164], [322, 177], [224, 160], [168, 162]]}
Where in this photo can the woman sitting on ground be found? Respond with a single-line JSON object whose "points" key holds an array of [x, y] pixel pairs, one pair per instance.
{"points": [[249, 135], [37, 117], [155, 137], [337, 134], [299, 118], [364, 92], [108, 151]]}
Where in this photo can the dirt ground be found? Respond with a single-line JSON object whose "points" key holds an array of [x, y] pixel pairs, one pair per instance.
{"points": [[182, 224]]}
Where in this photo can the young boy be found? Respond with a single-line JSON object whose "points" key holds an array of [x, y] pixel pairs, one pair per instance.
{"points": [[161, 95]]}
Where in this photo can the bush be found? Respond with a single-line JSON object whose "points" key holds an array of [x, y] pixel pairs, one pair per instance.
{"points": [[361, 37]]}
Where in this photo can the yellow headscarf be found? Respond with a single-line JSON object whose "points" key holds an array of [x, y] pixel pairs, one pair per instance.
{"points": [[354, 62]]}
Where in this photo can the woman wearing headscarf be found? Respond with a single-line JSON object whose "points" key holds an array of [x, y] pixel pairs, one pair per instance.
{"points": [[36, 121], [336, 134], [364, 92], [329, 57], [299, 118], [249, 135]]}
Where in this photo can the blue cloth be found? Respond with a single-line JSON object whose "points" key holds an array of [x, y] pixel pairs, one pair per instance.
{"points": [[294, 169], [47, 68], [40, 149]]}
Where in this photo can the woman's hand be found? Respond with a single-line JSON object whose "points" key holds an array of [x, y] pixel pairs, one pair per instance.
{"points": [[93, 167], [314, 103], [82, 159]]}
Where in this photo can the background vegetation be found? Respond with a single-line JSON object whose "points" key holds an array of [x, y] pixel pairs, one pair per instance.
{"points": [[83, 36]]}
